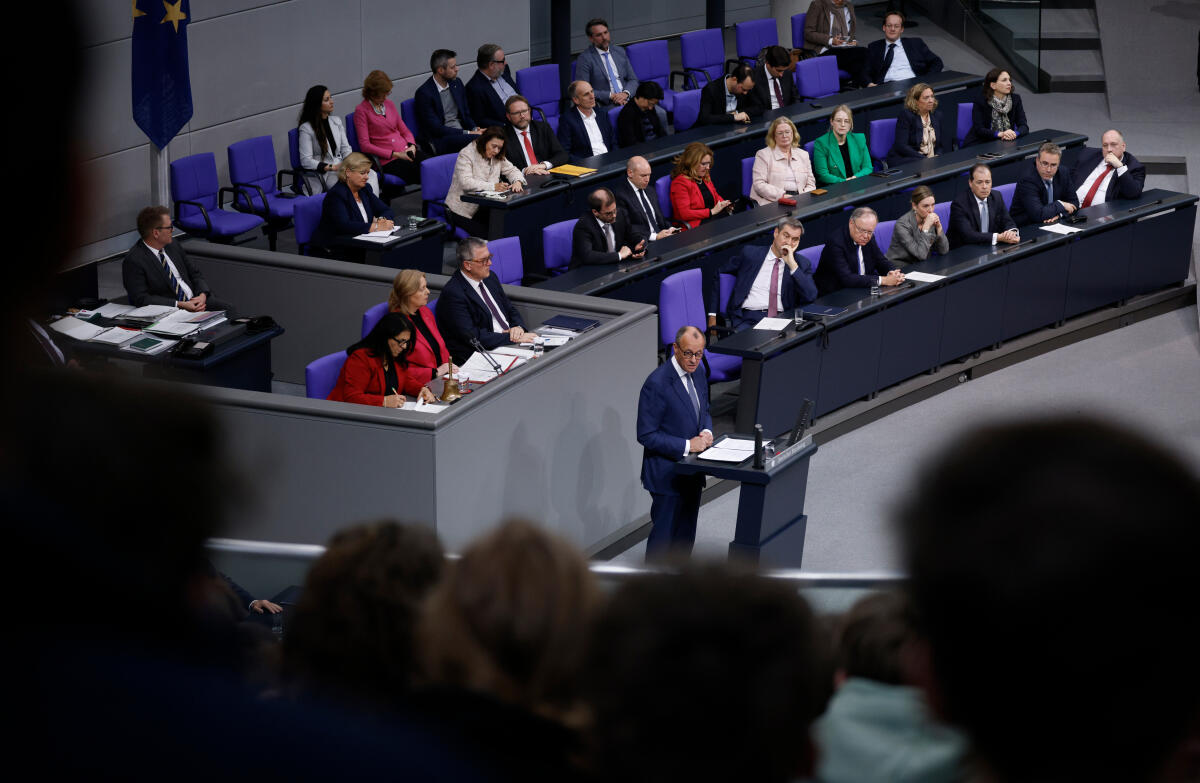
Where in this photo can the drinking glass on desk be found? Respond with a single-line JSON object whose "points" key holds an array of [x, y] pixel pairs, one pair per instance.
{"points": [[798, 318]]}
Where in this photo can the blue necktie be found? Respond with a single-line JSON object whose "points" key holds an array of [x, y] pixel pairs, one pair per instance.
{"points": [[178, 289], [615, 83], [692, 392], [1050, 192]]}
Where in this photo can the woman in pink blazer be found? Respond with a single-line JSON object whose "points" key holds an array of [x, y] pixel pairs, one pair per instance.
{"points": [[781, 167], [382, 133], [694, 198]]}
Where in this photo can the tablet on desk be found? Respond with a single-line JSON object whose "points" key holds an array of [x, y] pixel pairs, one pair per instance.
{"points": [[822, 311]]}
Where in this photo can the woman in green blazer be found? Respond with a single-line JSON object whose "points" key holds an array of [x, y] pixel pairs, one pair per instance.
{"points": [[839, 151]]}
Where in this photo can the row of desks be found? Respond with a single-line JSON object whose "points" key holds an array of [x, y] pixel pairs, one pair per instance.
{"points": [[988, 295], [889, 197], [550, 201]]}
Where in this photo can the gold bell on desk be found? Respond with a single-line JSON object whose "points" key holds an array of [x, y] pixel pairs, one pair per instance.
{"points": [[450, 390]]}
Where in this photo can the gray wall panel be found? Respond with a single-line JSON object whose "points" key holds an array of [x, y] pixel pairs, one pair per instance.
{"points": [[106, 123], [123, 177]]}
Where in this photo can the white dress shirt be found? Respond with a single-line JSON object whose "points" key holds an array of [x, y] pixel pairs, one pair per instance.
{"points": [[979, 202], [900, 68], [187, 290], [758, 298], [650, 218], [593, 131], [1102, 191]]}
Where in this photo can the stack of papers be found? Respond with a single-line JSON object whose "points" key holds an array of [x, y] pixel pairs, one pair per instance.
{"points": [[923, 277], [480, 370], [78, 329], [731, 450], [1059, 228], [149, 314], [181, 322]]}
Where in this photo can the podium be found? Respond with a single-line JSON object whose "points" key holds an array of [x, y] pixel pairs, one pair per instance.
{"points": [[771, 521]]}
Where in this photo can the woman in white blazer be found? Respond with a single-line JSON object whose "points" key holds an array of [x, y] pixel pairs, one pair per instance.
{"points": [[323, 142], [481, 165], [782, 166]]}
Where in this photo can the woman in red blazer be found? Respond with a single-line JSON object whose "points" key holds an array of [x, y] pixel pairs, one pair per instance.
{"points": [[376, 368], [382, 133], [410, 295], [694, 199]]}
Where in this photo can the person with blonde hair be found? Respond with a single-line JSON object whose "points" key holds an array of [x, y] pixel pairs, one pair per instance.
{"points": [[410, 295], [918, 128], [782, 167]]}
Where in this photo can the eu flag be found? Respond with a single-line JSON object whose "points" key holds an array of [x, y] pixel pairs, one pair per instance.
{"points": [[162, 89]]}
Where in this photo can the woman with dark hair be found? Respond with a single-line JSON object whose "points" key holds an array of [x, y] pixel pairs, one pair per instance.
{"points": [[918, 231], [410, 295], [997, 113], [917, 128], [323, 142], [694, 198], [481, 165], [382, 133], [375, 372]]}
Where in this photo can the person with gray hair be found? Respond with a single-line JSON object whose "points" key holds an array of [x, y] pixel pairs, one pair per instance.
{"points": [[1107, 173], [770, 280], [473, 308], [490, 87], [1044, 193], [851, 259], [672, 422]]}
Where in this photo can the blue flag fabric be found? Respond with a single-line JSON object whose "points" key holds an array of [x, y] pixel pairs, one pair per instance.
{"points": [[162, 88]]}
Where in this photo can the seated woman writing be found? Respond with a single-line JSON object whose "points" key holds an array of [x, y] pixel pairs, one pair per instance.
{"points": [[376, 368], [351, 208]]}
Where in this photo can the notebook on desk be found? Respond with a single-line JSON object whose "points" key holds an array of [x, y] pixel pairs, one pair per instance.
{"points": [[572, 323], [821, 311]]}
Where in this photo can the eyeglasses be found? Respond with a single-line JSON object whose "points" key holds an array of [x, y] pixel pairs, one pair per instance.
{"points": [[692, 354], [401, 344], [518, 112], [861, 230], [498, 62], [167, 227], [485, 261]]}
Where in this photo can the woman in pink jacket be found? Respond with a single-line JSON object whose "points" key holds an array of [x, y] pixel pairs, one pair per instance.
{"points": [[781, 167], [382, 133]]}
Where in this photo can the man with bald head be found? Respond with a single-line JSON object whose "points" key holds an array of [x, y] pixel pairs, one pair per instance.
{"points": [[582, 129], [1107, 173], [672, 422], [640, 201]]}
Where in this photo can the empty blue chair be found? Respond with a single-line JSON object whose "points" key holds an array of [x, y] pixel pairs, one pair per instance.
{"points": [[809, 146], [306, 217], [197, 197], [320, 376], [294, 158], [408, 114], [507, 265], [436, 174], [662, 188], [681, 303], [798, 30], [943, 212], [651, 61], [1006, 193], [964, 124], [817, 77], [813, 254], [539, 83], [372, 316], [612, 121], [883, 234], [556, 245], [702, 54], [259, 185], [752, 35], [687, 109], [880, 139], [747, 177]]}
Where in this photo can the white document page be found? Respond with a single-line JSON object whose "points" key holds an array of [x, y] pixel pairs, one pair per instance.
{"points": [[923, 277], [773, 324]]}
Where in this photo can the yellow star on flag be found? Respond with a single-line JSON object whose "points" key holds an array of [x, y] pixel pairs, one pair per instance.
{"points": [[136, 12], [174, 14]]}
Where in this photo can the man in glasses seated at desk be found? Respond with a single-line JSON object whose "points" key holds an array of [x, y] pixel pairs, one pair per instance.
{"points": [[851, 259]]}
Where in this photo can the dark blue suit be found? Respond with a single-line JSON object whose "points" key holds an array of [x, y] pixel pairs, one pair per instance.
{"points": [[462, 314], [573, 135], [431, 124], [907, 146], [798, 286], [1032, 205], [486, 107], [340, 218], [1128, 185], [838, 267], [666, 421], [920, 58]]}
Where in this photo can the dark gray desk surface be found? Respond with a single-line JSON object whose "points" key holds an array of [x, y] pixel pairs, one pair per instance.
{"points": [[675, 251]]}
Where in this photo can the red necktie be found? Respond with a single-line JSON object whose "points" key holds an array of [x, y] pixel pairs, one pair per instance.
{"points": [[1087, 200], [773, 293], [529, 156], [778, 94]]}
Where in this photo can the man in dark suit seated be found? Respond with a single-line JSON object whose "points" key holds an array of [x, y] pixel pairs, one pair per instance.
{"points": [[490, 87], [582, 130], [672, 422], [1044, 193], [774, 87], [895, 58], [530, 144], [640, 201], [726, 101], [770, 280], [979, 217], [443, 116], [474, 307], [604, 235], [156, 271], [638, 120], [1107, 173], [851, 259]]}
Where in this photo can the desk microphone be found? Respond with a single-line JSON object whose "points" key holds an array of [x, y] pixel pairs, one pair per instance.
{"points": [[478, 346], [758, 446]]}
